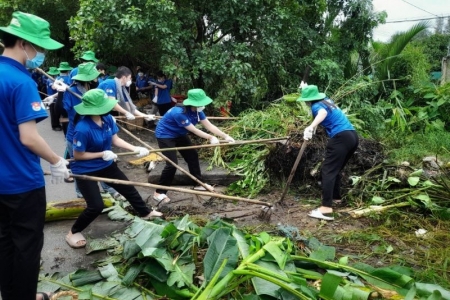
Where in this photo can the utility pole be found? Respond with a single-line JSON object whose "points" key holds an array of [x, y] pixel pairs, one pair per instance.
{"points": [[446, 67]]}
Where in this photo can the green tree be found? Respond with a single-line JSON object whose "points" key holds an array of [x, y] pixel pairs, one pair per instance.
{"points": [[247, 51], [55, 12], [435, 48]]}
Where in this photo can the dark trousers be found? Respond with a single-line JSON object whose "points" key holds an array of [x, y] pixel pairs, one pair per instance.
{"points": [[91, 193], [339, 150], [163, 108], [54, 116], [190, 156], [22, 218]]}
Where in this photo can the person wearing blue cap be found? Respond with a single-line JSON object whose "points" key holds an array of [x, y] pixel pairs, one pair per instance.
{"points": [[342, 144]]}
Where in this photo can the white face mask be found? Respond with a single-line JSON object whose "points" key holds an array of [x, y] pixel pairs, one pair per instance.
{"points": [[200, 108], [128, 83]]}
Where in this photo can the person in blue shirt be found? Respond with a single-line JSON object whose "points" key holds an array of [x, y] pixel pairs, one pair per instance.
{"points": [[142, 83], [95, 133], [103, 74], [88, 56], [162, 97], [52, 93], [22, 188], [172, 131], [116, 89], [341, 146]]}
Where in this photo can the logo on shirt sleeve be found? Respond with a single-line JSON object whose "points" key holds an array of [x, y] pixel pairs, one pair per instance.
{"points": [[36, 106]]}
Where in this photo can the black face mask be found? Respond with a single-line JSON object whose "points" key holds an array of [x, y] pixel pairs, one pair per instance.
{"points": [[93, 84]]}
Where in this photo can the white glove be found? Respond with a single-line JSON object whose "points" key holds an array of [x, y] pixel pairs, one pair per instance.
{"points": [[142, 151], [59, 171], [109, 155], [303, 85], [155, 99], [213, 140], [229, 139], [129, 116], [49, 100], [59, 85], [149, 117], [308, 133]]}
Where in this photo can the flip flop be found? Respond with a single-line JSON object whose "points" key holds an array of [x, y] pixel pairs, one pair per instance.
{"points": [[69, 180], [74, 239], [45, 296], [161, 198], [315, 213], [154, 214]]}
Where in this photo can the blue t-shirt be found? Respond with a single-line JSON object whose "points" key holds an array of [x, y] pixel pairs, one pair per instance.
{"points": [[164, 94], [173, 124], [141, 82], [65, 78], [110, 88], [69, 101], [72, 74], [20, 169], [89, 137], [335, 121]]}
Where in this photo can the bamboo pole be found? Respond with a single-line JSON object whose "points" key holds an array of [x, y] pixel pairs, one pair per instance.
{"points": [[220, 145], [170, 188], [209, 118], [167, 159], [118, 154], [51, 78]]}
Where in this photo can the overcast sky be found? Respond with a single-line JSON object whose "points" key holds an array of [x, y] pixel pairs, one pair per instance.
{"points": [[404, 9]]}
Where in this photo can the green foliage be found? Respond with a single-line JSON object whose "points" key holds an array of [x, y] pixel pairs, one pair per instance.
{"points": [[412, 64], [277, 120], [247, 52], [435, 48], [269, 267], [414, 147]]}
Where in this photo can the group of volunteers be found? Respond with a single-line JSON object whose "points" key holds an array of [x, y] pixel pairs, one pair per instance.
{"points": [[84, 98]]}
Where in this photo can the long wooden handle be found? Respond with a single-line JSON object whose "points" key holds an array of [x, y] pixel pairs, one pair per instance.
{"points": [[208, 117], [167, 159], [170, 188], [294, 169], [118, 154], [220, 145], [51, 78]]}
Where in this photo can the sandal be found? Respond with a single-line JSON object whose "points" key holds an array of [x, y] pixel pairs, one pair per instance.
{"points": [[69, 180], [316, 213], [152, 215], [161, 198], [75, 239], [45, 296]]}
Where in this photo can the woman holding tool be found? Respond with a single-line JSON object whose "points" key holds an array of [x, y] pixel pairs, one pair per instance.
{"points": [[340, 147], [94, 134], [172, 131]]}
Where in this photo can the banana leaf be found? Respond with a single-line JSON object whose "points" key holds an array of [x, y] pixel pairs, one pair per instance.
{"points": [[221, 245]]}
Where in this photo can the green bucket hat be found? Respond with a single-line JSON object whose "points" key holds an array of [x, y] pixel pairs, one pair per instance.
{"points": [[53, 71], [95, 102], [86, 72], [197, 97], [32, 29], [64, 66], [311, 93], [89, 56]]}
